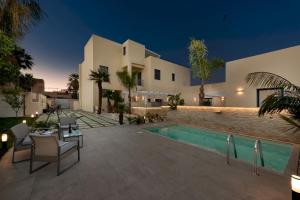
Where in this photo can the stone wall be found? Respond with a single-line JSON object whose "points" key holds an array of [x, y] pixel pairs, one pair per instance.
{"points": [[234, 120], [162, 111]]}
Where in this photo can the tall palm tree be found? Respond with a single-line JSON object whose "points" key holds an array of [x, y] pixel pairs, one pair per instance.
{"points": [[128, 81], [99, 76], [277, 102], [202, 67], [73, 85], [17, 16], [109, 96]]}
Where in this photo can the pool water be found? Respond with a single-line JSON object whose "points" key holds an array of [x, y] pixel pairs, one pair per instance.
{"points": [[276, 155]]}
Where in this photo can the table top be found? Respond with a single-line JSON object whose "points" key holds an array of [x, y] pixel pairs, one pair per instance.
{"points": [[74, 133]]}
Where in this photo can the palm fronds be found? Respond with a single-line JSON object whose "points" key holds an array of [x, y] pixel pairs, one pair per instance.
{"points": [[270, 80]]}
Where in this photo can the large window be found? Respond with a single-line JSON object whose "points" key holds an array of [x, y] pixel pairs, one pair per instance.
{"points": [[173, 77], [156, 74], [104, 69]]}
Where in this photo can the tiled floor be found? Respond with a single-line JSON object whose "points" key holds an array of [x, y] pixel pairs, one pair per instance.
{"points": [[87, 120], [126, 162]]}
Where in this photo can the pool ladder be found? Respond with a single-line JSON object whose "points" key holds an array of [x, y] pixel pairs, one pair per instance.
{"points": [[230, 140], [258, 150]]}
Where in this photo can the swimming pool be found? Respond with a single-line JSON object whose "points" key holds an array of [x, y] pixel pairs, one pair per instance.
{"points": [[276, 155]]}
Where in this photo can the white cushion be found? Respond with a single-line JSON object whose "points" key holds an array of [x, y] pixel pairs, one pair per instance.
{"points": [[27, 141]]}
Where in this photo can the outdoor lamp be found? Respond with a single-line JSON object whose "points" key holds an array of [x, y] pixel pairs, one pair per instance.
{"points": [[195, 99], [295, 184], [24, 121], [222, 98], [240, 91], [4, 140], [36, 113], [32, 115]]}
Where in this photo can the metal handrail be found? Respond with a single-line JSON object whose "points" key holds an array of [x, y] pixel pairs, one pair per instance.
{"points": [[258, 149], [230, 139]]}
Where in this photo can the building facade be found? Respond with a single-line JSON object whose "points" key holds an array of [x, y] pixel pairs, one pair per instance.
{"points": [[158, 78]]}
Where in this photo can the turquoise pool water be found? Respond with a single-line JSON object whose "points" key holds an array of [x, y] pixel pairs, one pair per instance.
{"points": [[276, 155]]}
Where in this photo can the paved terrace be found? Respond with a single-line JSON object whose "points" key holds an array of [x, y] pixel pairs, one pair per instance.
{"points": [[126, 162], [86, 120]]}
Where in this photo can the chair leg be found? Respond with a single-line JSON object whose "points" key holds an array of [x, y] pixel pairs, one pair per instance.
{"points": [[78, 149], [58, 165], [13, 156]]}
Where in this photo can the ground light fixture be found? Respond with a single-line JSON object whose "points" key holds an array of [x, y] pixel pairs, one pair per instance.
{"points": [[24, 121], [36, 113], [4, 138], [32, 115], [295, 184]]}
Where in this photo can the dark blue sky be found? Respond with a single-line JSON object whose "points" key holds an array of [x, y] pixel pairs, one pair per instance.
{"points": [[232, 29]]}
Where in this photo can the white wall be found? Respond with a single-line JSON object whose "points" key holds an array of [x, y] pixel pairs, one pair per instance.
{"points": [[6, 111], [35, 102], [86, 86], [283, 62]]}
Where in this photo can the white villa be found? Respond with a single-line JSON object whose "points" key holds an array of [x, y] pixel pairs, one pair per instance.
{"points": [[159, 78]]}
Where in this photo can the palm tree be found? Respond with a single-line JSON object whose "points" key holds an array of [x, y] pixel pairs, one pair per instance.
{"points": [[73, 85], [128, 81], [99, 76], [25, 83], [202, 67], [277, 102], [116, 97], [17, 16], [109, 96]]}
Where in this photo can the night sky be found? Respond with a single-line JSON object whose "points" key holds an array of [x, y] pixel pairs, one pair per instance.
{"points": [[232, 29]]}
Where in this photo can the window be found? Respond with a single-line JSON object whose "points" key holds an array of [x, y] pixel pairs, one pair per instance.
{"points": [[156, 74], [263, 93], [139, 78], [104, 69], [124, 51], [173, 77]]}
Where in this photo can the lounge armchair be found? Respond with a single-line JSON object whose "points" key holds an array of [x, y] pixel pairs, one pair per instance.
{"points": [[22, 140], [50, 149]]}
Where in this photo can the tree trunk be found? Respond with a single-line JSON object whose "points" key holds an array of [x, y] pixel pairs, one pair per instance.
{"points": [[129, 101], [24, 105], [201, 93], [109, 106], [100, 98]]}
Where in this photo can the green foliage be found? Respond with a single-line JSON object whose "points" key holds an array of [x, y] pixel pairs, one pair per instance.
{"points": [[202, 67], [136, 120], [73, 85], [174, 101], [7, 45], [116, 97], [16, 17], [128, 81], [26, 82], [45, 124], [108, 94], [153, 117], [121, 108], [99, 76], [14, 99], [276, 103]]}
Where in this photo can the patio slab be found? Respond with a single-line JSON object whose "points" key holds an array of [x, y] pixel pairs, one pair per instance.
{"points": [[126, 162]]}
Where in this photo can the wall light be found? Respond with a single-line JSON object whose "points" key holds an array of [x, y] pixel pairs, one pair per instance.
{"points": [[143, 98], [240, 91], [195, 99], [32, 115], [24, 121], [295, 184], [222, 98]]}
